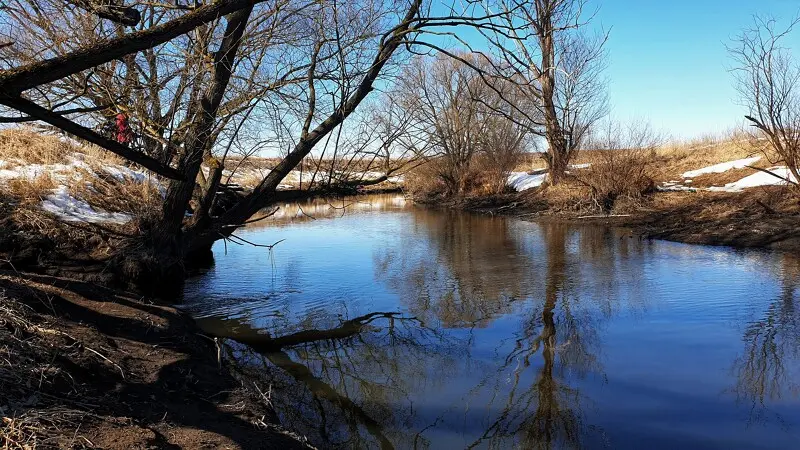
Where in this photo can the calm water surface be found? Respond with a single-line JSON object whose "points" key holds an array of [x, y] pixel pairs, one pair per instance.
{"points": [[439, 329]]}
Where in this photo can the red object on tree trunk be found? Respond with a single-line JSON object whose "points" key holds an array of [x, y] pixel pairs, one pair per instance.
{"points": [[124, 134]]}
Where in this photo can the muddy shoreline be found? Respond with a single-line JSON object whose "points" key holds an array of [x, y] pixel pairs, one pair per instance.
{"points": [[90, 367], [761, 218]]}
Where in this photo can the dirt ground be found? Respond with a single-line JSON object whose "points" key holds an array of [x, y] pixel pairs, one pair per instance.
{"points": [[766, 217], [87, 367], [760, 217]]}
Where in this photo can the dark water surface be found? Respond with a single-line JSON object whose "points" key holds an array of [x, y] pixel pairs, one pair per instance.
{"points": [[439, 329]]}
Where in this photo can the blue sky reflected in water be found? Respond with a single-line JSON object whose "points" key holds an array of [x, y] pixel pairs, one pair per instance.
{"points": [[509, 333]]}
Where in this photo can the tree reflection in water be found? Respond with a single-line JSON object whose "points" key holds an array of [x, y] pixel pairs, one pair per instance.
{"points": [[362, 388], [352, 388], [771, 350], [545, 413], [501, 332]]}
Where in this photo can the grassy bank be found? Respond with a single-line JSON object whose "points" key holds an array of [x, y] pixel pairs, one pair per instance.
{"points": [[87, 367], [668, 193]]}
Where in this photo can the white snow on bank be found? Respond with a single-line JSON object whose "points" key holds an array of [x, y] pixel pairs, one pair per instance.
{"points": [[76, 170], [71, 209], [722, 167], [758, 179], [521, 181], [673, 186], [60, 172], [123, 173]]}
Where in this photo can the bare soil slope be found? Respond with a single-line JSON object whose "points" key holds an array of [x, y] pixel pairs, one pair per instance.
{"points": [[87, 367]]}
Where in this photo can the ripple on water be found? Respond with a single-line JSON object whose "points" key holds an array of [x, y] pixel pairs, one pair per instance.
{"points": [[522, 333]]}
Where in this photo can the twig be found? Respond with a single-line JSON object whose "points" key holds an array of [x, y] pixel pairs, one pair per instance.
{"points": [[267, 397], [219, 353], [269, 246], [110, 361], [773, 174]]}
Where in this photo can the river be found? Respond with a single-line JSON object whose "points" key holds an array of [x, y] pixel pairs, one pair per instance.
{"points": [[443, 329]]}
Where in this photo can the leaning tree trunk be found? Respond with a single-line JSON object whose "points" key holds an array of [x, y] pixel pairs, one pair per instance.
{"points": [[162, 252], [200, 236]]}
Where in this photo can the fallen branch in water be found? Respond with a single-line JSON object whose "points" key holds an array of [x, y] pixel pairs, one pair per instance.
{"points": [[352, 327]]}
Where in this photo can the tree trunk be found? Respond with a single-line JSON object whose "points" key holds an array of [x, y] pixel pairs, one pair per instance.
{"points": [[200, 238], [159, 258], [557, 152], [171, 244]]}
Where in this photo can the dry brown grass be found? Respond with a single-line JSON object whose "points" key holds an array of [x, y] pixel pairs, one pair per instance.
{"points": [[669, 161], [107, 193], [569, 198], [28, 146], [30, 192], [422, 182], [28, 419], [672, 161]]}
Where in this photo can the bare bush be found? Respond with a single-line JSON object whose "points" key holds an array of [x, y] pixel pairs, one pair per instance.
{"points": [[619, 166]]}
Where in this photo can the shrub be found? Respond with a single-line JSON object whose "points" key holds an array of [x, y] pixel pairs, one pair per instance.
{"points": [[621, 164], [616, 174]]}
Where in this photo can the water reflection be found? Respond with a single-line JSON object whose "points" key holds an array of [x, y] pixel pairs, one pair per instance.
{"points": [[766, 368], [436, 329], [288, 213]]}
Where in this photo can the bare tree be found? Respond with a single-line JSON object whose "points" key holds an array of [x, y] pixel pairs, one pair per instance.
{"points": [[768, 82], [558, 67], [194, 73], [462, 118], [438, 93]]}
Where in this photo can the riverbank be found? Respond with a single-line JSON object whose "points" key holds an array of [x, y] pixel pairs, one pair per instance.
{"points": [[88, 367], [757, 218]]}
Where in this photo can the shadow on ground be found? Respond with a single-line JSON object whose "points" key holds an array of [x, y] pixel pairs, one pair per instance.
{"points": [[85, 366]]}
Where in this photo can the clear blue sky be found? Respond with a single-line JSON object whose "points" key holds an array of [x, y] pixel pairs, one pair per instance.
{"points": [[668, 62]]}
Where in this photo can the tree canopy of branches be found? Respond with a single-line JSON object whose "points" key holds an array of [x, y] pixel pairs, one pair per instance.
{"points": [[768, 82], [199, 79], [459, 118], [557, 66]]}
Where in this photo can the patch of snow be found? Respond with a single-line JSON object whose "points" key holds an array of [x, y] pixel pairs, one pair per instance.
{"points": [[3, 163], [521, 181], [580, 166], [71, 209], [123, 173], [673, 187], [722, 167], [128, 175], [9, 174], [60, 172], [69, 140], [758, 179]]}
